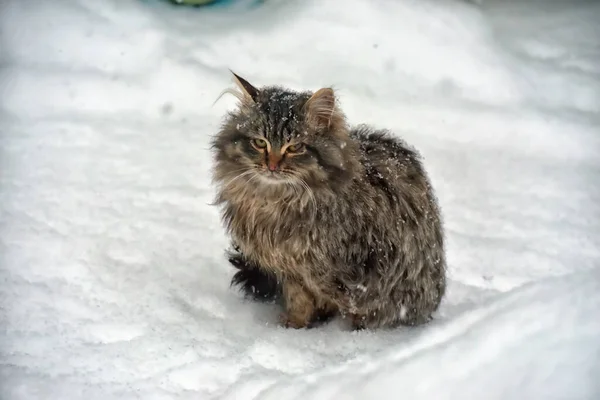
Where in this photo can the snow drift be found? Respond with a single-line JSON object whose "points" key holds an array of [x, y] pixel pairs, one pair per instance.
{"points": [[536, 342]]}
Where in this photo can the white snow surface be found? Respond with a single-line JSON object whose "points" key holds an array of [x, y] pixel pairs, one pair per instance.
{"points": [[114, 283]]}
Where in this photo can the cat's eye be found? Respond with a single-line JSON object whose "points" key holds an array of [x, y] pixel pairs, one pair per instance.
{"points": [[296, 148], [259, 143]]}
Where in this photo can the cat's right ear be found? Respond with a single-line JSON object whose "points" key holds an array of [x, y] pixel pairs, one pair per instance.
{"points": [[249, 91], [321, 108]]}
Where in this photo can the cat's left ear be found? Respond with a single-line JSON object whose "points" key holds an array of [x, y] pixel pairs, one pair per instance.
{"points": [[249, 91], [321, 108]]}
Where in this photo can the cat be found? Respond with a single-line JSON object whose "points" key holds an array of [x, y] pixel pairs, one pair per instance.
{"points": [[324, 218]]}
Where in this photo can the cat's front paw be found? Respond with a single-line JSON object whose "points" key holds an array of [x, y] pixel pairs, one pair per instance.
{"points": [[359, 322], [288, 322]]}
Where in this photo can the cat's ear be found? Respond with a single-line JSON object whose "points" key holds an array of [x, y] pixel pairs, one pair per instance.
{"points": [[249, 91], [321, 109]]}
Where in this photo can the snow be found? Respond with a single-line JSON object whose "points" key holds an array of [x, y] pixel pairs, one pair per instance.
{"points": [[114, 281], [512, 347]]}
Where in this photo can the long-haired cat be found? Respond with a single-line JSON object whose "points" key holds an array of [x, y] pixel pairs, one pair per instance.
{"points": [[327, 218]]}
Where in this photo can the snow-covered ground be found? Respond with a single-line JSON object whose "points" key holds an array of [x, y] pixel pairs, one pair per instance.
{"points": [[113, 280]]}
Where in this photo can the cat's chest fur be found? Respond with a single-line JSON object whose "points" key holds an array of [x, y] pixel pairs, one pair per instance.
{"points": [[278, 236]]}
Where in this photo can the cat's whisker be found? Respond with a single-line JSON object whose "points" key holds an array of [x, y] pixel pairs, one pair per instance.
{"points": [[291, 183], [253, 216], [294, 187], [252, 178], [309, 192], [311, 196], [226, 185]]}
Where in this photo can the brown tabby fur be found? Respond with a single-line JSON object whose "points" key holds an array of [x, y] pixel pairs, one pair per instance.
{"points": [[348, 225]]}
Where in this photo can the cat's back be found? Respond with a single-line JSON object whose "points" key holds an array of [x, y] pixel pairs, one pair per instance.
{"points": [[388, 160]]}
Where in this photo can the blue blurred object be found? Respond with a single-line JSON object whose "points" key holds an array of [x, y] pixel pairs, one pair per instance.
{"points": [[214, 3], [193, 2]]}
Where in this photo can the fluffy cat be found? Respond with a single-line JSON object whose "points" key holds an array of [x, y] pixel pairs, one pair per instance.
{"points": [[326, 218]]}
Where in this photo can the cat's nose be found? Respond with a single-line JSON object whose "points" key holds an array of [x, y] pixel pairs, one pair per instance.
{"points": [[273, 162]]}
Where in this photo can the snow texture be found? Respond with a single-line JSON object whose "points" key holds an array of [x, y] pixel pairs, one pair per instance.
{"points": [[114, 281]]}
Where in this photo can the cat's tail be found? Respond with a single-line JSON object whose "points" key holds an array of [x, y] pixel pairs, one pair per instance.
{"points": [[252, 280]]}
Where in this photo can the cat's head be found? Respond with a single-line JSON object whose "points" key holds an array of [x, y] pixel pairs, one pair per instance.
{"points": [[280, 141]]}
